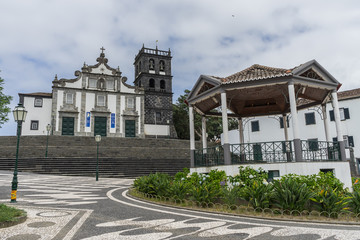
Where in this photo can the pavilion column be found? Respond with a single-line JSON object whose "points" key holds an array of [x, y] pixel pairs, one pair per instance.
{"points": [[242, 141], [295, 123], [204, 138], [339, 134], [326, 123], [285, 127], [192, 137], [226, 146], [287, 147]]}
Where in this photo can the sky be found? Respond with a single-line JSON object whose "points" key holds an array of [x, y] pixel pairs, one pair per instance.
{"points": [[41, 38]]}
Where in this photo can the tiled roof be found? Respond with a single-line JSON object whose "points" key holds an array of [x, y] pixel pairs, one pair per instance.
{"points": [[37, 94], [257, 72], [349, 94]]}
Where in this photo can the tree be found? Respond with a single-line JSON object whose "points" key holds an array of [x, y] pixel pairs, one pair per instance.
{"points": [[4, 102], [181, 121]]}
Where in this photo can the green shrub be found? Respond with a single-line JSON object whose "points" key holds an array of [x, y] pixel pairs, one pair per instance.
{"points": [[354, 202], [290, 194], [155, 184], [330, 200], [257, 193]]}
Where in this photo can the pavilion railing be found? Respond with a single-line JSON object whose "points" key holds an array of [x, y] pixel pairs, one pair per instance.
{"points": [[262, 152], [211, 156], [313, 150]]}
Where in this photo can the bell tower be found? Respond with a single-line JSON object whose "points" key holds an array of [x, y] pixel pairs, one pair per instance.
{"points": [[153, 73]]}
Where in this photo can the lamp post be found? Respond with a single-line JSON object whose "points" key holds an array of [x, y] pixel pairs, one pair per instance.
{"points": [[97, 139], [19, 117], [48, 128]]}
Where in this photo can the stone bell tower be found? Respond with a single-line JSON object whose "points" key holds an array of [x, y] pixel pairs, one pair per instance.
{"points": [[153, 73]]}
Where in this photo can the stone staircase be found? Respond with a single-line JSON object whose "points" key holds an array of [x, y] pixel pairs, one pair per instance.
{"points": [[118, 157]]}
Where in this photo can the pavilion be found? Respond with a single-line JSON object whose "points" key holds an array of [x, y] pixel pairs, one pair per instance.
{"points": [[264, 91]]}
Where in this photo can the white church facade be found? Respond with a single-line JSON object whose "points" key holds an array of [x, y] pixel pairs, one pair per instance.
{"points": [[99, 101]]}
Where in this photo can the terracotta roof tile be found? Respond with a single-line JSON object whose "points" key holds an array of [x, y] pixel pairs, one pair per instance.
{"points": [[39, 94], [349, 94], [256, 72]]}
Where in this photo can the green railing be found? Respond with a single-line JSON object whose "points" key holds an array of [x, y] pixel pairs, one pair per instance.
{"points": [[212, 156], [313, 151], [262, 152], [268, 152]]}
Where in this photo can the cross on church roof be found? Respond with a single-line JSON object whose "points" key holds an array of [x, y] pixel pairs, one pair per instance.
{"points": [[102, 49]]}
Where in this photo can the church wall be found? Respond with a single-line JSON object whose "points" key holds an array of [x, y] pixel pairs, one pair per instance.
{"points": [[78, 106], [60, 98], [122, 109], [112, 108], [102, 69], [90, 102]]}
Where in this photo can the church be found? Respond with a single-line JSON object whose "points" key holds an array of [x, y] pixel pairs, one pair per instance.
{"points": [[100, 101]]}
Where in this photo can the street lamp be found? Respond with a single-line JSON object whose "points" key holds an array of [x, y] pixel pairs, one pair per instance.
{"points": [[19, 117], [97, 139], [48, 128]]}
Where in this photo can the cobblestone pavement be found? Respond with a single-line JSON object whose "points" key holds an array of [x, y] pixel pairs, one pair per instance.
{"points": [[62, 207]]}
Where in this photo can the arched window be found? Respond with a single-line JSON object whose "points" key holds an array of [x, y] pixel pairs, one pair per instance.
{"points": [[162, 65], [101, 84], [162, 84], [151, 64], [139, 84], [151, 83]]}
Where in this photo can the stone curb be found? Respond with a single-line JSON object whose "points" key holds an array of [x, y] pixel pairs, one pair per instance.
{"points": [[18, 220], [247, 216]]}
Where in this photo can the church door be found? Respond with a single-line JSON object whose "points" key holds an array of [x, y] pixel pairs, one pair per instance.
{"points": [[129, 128], [100, 126], [67, 126]]}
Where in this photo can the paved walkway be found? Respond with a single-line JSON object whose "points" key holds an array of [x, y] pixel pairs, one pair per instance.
{"points": [[61, 207]]}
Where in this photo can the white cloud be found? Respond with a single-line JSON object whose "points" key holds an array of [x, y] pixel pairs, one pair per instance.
{"points": [[41, 38]]}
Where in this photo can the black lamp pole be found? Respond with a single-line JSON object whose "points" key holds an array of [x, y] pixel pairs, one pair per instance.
{"points": [[19, 116]]}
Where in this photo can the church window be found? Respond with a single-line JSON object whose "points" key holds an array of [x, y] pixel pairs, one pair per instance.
{"points": [[101, 100], [151, 64], [34, 125], [158, 116], [101, 84], [110, 84], [162, 84], [151, 83], [38, 102], [69, 98], [130, 103], [92, 83], [162, 65]]}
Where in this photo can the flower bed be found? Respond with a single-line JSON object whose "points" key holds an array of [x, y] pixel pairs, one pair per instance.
{"points": [[317, 195]]}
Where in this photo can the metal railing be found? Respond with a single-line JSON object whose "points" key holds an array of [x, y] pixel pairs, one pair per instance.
{"points": [[212, 156], [269, 152], [320, 151], [262, 152]]}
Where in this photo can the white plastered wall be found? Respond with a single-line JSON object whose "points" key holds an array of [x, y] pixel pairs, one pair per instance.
{"points": [[41, 114]]}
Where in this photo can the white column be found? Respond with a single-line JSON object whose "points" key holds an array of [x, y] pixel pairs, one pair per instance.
{"points": [[337, 116], [326, 124], [226, 145], [224, 118], [339, 134], [192, 132], [241, 131], [204, 138], [284, 117], [192, 137], [295, 122], [293, 109]]}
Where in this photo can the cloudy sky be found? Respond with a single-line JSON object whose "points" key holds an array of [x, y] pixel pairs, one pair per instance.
{"points": [[41, 38]]}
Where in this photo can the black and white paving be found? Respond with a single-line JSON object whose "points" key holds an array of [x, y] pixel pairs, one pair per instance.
{"points": [[63, 207]]}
